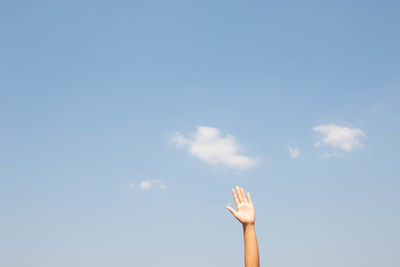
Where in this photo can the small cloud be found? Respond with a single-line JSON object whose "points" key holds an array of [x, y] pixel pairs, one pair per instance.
{"points": [[210, 146], [147, 184], [343, 138], [294, 152]]}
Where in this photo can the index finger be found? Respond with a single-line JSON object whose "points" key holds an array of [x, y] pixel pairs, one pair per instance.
{"points": [[235, 198]]}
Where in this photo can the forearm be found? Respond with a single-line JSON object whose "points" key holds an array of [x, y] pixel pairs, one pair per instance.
{"points": [[251, 257]]}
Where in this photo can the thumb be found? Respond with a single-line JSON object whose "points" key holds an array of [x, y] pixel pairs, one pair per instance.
{"points": [[231, 210]]}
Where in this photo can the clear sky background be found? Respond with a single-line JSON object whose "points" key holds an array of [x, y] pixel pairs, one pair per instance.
{"points": [[100, 103]]}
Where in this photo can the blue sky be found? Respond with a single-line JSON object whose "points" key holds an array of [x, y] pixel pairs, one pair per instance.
{"points": [[101, 101]]}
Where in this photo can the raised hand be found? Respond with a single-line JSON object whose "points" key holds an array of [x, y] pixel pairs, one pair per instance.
{"points": [[245, 213]]}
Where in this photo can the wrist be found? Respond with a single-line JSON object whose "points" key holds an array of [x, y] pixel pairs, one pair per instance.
{"points": [[248, 225]]}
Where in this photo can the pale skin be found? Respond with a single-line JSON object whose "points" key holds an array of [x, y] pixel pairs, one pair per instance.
{"points": [[246, 215]]}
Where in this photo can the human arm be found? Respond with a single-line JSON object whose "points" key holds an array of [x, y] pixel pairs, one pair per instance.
{"points": [[245, 214]]}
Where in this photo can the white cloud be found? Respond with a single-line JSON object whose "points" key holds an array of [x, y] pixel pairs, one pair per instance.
{"points": [[210, 146], [147, 184], [343, 138], [294, 152]]}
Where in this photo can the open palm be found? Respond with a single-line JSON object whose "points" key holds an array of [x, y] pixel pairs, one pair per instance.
{"points": [[245, 210]]}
